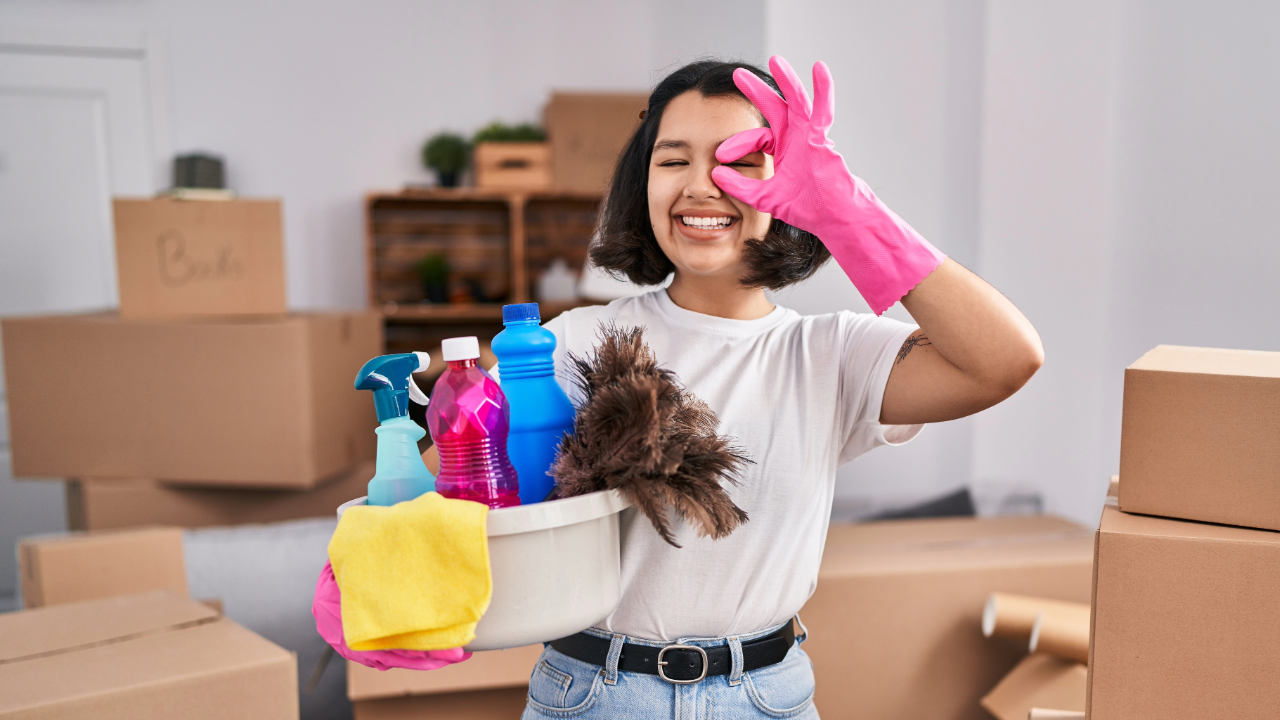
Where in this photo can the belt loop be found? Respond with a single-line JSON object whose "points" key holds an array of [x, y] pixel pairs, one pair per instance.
{"points": [[804, 631], [611, 662], [735, 661]]}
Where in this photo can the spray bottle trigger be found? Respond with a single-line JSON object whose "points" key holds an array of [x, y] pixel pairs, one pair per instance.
{"points": [[416, 394]]}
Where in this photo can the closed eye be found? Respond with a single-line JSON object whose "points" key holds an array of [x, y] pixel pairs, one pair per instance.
{"points": [[672, 163]]}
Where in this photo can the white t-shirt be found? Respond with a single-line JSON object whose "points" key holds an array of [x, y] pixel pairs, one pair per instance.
{"points": [[801, 395]]}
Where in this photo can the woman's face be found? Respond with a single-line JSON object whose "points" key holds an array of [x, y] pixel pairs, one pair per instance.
{"points": [[698, 226]]}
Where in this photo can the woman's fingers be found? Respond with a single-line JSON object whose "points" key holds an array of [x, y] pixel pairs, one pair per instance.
{"points": [[762, 96], [745, 143], [792, 89], [824, 98], [748, 190]]}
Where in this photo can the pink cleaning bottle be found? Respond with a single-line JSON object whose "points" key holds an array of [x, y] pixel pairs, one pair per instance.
{"points": [[469, 420]]}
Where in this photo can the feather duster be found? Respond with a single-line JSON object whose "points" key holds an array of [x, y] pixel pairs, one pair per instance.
{"points": [[641, 432]]}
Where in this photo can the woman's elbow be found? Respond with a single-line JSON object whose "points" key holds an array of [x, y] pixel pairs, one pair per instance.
{"points": [[1022, 364]]}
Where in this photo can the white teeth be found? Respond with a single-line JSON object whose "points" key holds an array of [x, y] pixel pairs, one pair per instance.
{"points": [[706, 222]]}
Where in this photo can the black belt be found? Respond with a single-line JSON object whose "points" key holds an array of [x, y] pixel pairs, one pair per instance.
{"points": [[680, 663]]}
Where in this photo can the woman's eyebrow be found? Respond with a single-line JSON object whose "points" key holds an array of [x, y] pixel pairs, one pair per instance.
{"points": [[670, 145]]}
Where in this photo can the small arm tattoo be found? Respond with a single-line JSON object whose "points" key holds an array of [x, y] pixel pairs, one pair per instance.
{"points": [[907, 346]]}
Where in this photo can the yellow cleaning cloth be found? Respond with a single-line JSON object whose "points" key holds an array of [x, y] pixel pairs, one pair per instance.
{"points": [[413, 576]]}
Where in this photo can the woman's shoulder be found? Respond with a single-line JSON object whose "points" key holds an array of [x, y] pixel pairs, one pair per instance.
{"points": [[842, 327], [589, 317]]}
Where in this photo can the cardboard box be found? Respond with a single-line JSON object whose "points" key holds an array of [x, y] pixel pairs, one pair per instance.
{"points": [[895, 625], [1199, 438], [140, 657], [1186, 620], [258, 402], [587, 132], [491, 684], [1039, 681], [489, 669], [513, 165], [182, 258], [58, 569], [108, 503], [493, 704]]}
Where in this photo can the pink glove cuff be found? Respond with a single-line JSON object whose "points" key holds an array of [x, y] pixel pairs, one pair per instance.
{"points": [[883, 255], [327, 609]]}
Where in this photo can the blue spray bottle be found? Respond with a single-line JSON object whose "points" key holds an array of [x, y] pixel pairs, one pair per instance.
{"points": [[400, 473], [541, 413]]}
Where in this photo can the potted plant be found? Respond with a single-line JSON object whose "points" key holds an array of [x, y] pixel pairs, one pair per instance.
{"points": [[513, 157], [446, 153]]}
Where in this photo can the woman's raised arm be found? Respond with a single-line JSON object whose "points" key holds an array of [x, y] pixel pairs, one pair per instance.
{"points": [[973, 349]]}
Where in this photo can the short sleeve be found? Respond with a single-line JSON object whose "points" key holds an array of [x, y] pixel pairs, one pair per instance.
{"points": [[870, 346]]}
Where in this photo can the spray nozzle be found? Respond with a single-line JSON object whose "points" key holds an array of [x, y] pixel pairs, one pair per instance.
{"points": [[390, 377]]}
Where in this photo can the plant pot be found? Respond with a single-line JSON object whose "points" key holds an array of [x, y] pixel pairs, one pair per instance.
{"points": [[448, 179], [435, 292]]}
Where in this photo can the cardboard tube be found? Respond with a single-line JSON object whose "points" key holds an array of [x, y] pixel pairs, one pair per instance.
{"points": [[1062, 631], [1014, 616], [1041, 714]]}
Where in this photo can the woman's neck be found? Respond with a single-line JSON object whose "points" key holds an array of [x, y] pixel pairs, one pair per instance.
{"points": [[730, 299]]}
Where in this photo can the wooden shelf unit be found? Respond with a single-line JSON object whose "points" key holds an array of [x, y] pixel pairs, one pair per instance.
{"points": [[495, 240]]}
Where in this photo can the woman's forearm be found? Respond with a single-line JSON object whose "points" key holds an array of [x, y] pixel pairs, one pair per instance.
{"points": [[973, 349]]}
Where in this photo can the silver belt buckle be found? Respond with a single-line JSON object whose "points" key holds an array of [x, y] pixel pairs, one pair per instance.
{"points": [[662, 662]]}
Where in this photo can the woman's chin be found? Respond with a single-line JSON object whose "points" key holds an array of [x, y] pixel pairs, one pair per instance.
{"points": [[711, 267]]}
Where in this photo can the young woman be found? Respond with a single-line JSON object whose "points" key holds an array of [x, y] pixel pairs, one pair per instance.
{"points": [[730, 204]]}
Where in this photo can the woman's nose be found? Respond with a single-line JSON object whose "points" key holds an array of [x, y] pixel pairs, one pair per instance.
{"points": [[700, 185]]}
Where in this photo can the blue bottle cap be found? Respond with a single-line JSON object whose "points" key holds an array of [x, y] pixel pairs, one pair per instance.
{"points": [[521, 311]]}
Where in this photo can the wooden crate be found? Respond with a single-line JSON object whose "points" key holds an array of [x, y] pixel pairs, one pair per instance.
{"points": [[500, 239], [473, 234], [557, 228], [513, 165]]}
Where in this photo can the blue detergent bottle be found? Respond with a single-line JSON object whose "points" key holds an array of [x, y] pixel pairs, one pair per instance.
{"points": [[400, 474], [541, 413]]}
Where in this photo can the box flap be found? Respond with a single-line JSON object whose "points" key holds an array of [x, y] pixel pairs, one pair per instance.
{"points": [[1122, 523], [1040, 681], [953, 544], [1210, 361], [64, 628], [214, 669]]}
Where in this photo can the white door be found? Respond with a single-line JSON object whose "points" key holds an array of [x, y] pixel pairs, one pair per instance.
{"points": [[74, 131]]}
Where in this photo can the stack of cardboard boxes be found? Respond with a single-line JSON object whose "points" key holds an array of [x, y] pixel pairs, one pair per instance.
{"points": [[1186, 601], [110, 632], [201, 402], [202, 393]]}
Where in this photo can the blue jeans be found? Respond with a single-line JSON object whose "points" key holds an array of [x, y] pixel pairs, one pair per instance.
{"points": [[562, 687]]}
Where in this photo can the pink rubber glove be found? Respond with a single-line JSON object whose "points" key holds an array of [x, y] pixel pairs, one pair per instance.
{"points": [[327, 608], [813, 190]]}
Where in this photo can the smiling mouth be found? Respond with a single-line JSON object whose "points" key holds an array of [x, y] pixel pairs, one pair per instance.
{"points": [[706, 223]]}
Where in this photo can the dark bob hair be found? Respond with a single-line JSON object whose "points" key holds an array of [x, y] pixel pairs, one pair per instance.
{"points": [[625, 244]]}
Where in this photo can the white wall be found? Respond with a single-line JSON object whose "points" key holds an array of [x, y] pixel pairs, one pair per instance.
{"points": [[908, 80], [320, 102], [1048, 110], [1126, 168]]}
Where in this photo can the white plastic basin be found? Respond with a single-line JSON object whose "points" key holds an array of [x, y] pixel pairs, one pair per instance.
{"points": [[555, 569]]}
